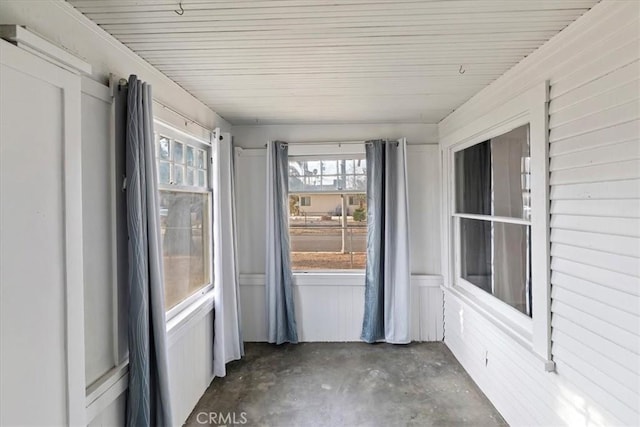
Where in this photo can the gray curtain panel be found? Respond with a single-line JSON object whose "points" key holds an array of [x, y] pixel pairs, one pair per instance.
{"points": [[387, 278], [148, 400], [281, 317], [227, 339]]}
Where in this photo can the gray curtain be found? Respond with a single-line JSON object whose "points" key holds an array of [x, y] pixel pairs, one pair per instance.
{"points": [[148, 401], [281, 317], [387, 278], [227, 339]]}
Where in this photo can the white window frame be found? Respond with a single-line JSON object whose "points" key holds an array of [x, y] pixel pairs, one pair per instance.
{"points": [[530, 108], [162, 129]]}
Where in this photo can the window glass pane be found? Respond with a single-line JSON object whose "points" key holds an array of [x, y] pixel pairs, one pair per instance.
{"points": [[317, 237], [361, 166], [190, 156], [191, 176], [201, 160], [178, 152], [202, 178], [163, 148], [183, 223], [473, 179], [164, 174], [350, 166], [495, 257], [357, 182], [492, 177], [329, 167], [509, 157], [311, 168], [178, 175]]}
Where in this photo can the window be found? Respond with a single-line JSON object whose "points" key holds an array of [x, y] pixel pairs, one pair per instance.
{"points": [[321, 237], [493, 211], [185, 214], [497, 240]]}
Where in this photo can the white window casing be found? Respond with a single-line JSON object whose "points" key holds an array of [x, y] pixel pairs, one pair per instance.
{"points": [[531, 108]]}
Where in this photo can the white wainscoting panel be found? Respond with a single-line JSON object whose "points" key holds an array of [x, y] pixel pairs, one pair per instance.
{"points": [[330, 307]]}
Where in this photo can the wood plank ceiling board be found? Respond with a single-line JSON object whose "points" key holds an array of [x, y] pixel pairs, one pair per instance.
{"points": [[338, 61]]}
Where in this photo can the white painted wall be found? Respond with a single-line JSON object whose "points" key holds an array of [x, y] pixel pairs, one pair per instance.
{"points": [[104, 378], [593, 68], [41, 284], [329, 308], [97, 236]]}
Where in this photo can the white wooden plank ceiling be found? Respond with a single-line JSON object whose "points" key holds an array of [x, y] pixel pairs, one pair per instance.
{"points": [[337, 61]]}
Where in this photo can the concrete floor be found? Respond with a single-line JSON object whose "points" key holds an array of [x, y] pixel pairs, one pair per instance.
{"points": [[345, 384]]}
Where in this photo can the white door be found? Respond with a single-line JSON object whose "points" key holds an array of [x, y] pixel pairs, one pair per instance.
{"points": [[41, 302]]}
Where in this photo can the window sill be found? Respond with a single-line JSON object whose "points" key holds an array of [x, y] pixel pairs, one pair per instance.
{"points": [[519, 335], [182, 320]]}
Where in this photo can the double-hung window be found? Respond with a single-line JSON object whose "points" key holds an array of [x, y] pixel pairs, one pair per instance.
{"points": [[184, 182], [327, 212], [498, 217], [493, 211]]}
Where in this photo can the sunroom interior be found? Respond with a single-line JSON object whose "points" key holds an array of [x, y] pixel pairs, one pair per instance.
{"points": [[430, 206]]}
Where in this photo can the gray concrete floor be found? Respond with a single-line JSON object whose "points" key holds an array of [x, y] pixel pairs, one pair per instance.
{"points": [[345, 384]]}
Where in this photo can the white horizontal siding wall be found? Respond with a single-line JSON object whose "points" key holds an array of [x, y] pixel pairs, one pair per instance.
{"points": [[594, 70]]}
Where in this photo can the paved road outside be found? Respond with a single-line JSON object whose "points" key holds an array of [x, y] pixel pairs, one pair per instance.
{"points": [[327, 243]]}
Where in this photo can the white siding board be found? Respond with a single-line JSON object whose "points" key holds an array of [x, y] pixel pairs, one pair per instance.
{"points": [[597, 120], [626, 189], [605, 330], [591, 63], [624, 357], [602, 294], [606, 313], [621, 282], [624, 208], [597, 258], [520, 371], [597, 394], [594, 70], [612, 98], [605, 83], [625, 377], [622, 132], [608, 154], [610, 225], [597, 173], [624, 398], [622, 245]]}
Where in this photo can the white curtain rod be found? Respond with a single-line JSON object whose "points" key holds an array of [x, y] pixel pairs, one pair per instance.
{"points": [[324, 143]]}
